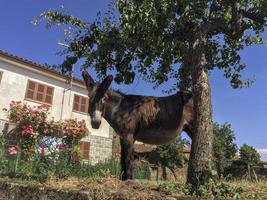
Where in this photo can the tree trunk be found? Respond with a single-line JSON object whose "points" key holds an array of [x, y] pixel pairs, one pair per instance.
{"points": [[255, 175], [157, 174], [219, 170], [174, 174], [164, 173], [249, 174], [199, 169]]}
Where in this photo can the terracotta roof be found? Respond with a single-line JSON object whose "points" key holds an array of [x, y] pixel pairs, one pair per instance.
{"points": [[36, 65], [146, 148], [143, 148], [186, 149], [263, 163]]}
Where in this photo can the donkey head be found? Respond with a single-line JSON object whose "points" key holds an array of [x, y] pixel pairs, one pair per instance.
{"points": [[96, 94]]}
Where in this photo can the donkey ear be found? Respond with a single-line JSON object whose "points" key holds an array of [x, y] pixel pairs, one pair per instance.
{"points": [[106, 83], [89, 81]]}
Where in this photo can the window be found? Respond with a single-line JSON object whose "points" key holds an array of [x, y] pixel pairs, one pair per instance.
{"points": [[80, 104], [84, 150], [1, 74], [39, 92]]}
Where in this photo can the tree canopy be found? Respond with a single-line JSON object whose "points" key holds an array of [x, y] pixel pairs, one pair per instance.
{"points": [[224, 148], [153, 37], [169, 39], [170, 155], [249, 155]]}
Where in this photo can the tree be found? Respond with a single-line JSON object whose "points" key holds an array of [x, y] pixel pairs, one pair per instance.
{"points": [[250, 157], [224, 148], [169, 39], [170, 155]]}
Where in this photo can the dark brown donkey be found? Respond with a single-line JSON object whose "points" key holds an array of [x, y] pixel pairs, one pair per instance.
{"points": [[152, 120]]}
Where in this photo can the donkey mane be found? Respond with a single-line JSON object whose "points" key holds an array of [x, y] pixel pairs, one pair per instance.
{"points": [[118, 91]]}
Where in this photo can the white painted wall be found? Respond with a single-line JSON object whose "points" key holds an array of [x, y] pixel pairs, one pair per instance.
{"points": [[13, 87]]}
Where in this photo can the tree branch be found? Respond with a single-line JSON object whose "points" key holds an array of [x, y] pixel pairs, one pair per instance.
{"points": [[256, 17], [217, 26], [238, 23]]}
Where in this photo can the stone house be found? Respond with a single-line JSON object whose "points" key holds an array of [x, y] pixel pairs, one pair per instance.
{"points": [[24, 80]]}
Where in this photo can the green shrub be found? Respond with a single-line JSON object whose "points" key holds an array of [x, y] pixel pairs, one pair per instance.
{"points": [[110, 167], [209, 190], [175, 187], [224, 148], [219, 190], [249, 155], [141, 170], [170, 155]]}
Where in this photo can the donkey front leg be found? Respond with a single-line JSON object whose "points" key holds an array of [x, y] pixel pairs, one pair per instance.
{"points": [[123, 167], [127, 157]]}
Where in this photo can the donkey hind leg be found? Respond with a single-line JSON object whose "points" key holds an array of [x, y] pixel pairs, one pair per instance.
{"points": [[123, 166], [127, 167]]}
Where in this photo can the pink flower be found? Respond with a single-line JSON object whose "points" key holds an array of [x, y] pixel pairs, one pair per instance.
{"points": [[27, 131], [62, 146], [43, 146], [12, 150], [44, 106], [74, 156], [82, 123], [19, 122], [33, 114]]}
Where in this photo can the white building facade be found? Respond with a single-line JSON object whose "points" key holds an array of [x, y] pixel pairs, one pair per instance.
{"points": [[23, 80]]}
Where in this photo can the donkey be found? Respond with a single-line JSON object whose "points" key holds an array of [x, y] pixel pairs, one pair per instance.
{"points": [[148, 119]]}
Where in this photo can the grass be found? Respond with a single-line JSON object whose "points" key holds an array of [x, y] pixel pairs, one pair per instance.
{"points": [[104, 188], [252, 190]]}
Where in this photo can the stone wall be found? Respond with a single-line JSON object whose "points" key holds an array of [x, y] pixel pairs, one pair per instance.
{"points": [[100, 148], [15, 191], [2, 125]]}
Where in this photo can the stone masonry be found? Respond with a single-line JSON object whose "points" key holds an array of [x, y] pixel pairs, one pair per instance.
{"points": [[100, 148]]}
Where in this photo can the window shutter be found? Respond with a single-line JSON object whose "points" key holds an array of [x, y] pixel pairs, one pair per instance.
{"points": [[39, 92], [84, 148], [76, 102], [31, 85], [30, 92], [80, 103], [49, 94], [86, 105], [83, 106]]}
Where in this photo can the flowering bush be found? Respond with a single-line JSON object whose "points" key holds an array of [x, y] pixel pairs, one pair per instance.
{"points": [[70, 128], [31, 123], [71, 131], [12, 150]]}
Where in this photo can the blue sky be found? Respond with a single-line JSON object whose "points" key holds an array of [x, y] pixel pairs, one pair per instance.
{"points": [[244, 109]]}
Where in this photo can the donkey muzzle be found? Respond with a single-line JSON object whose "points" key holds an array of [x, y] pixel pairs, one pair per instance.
{"points": [[96, 119], [95, 124]]}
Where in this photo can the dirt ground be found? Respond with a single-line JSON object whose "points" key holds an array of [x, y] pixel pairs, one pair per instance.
{"points": [[106, 189]]}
